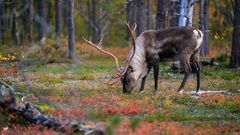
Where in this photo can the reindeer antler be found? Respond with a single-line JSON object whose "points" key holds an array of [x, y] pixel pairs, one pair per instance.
{"points": [[103, 51], [120, 73], [131, 31], [97, 46]]}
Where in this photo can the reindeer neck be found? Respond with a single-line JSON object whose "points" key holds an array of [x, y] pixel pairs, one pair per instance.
{"points": [[139, 60]]}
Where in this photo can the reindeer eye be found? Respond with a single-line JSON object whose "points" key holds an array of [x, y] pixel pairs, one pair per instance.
{"points": [[127, 79]]}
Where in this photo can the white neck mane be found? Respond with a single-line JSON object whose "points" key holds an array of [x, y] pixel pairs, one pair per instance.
{"points": [[138, 61]]}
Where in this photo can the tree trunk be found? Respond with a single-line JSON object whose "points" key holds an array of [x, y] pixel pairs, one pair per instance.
{"points": [[182, 18], [30, 21], [58, 16], [201, 15], [130, 12], [23, 22], [89, 18], [15, 34], [205, 44], [173, 9], [94, 20], [33, 115], [190, 14], [65, 14], [71, 31], [130, 15], [235, 53], [49, 11], [1, 22], [42, 20], [140, 17], [99, 20], [186, 12], [161, 14], [149, 14], [108, 23]]}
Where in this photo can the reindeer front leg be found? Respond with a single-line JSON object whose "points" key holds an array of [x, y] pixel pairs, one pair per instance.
{"points": [[144, 79], [143, 83], [156, 73]]}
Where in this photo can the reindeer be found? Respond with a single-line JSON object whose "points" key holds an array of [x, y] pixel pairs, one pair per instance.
{"points": [[155, 46]]}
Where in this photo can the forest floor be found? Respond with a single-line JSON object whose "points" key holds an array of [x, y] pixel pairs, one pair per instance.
{"points": [[78, 93]]}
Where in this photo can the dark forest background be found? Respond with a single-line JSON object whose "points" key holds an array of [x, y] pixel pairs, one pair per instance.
{"points": [[25, 22]]}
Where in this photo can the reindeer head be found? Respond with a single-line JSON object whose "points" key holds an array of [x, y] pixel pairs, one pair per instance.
{"points": [[129, 82]]}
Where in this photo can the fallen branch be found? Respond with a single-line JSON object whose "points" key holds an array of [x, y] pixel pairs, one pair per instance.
{"points": [[32, 114], [9, 61], [177, 65]]}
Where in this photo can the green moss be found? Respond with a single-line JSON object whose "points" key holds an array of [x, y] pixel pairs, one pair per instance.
{"points": [[49, 79], [219, 72], [156, 116], [184, 100], [233, 107], [45, 107], [70, 68], [84, 77]]}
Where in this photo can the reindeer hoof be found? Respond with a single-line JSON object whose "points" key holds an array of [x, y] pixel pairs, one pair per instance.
{"points": [[156, 93], [142, 91], [194, 94], [180, 91], [197, 92]]}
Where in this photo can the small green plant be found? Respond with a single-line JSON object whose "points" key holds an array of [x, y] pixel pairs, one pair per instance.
{"points": [[115, 120], [135, 121], [222, 58]]}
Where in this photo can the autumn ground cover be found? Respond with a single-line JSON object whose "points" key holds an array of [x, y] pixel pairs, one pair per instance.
{"points": [[77, 92]]}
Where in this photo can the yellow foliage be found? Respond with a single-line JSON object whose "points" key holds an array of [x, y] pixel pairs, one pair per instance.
{"points": [[167, 102]]}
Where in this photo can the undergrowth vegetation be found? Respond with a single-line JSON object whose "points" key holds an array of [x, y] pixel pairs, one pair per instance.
{"points": [[77, 92]]}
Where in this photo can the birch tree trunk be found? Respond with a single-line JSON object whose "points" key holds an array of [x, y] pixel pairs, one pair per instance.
{"points": [[71, 32], [235, 53], [182, 18]]}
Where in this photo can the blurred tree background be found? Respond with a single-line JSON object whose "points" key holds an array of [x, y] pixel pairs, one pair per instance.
{"points": [[25, 22]]}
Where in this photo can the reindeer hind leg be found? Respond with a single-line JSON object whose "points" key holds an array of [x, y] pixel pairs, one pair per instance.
{"points": [[185, 64], [196, 64]]}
